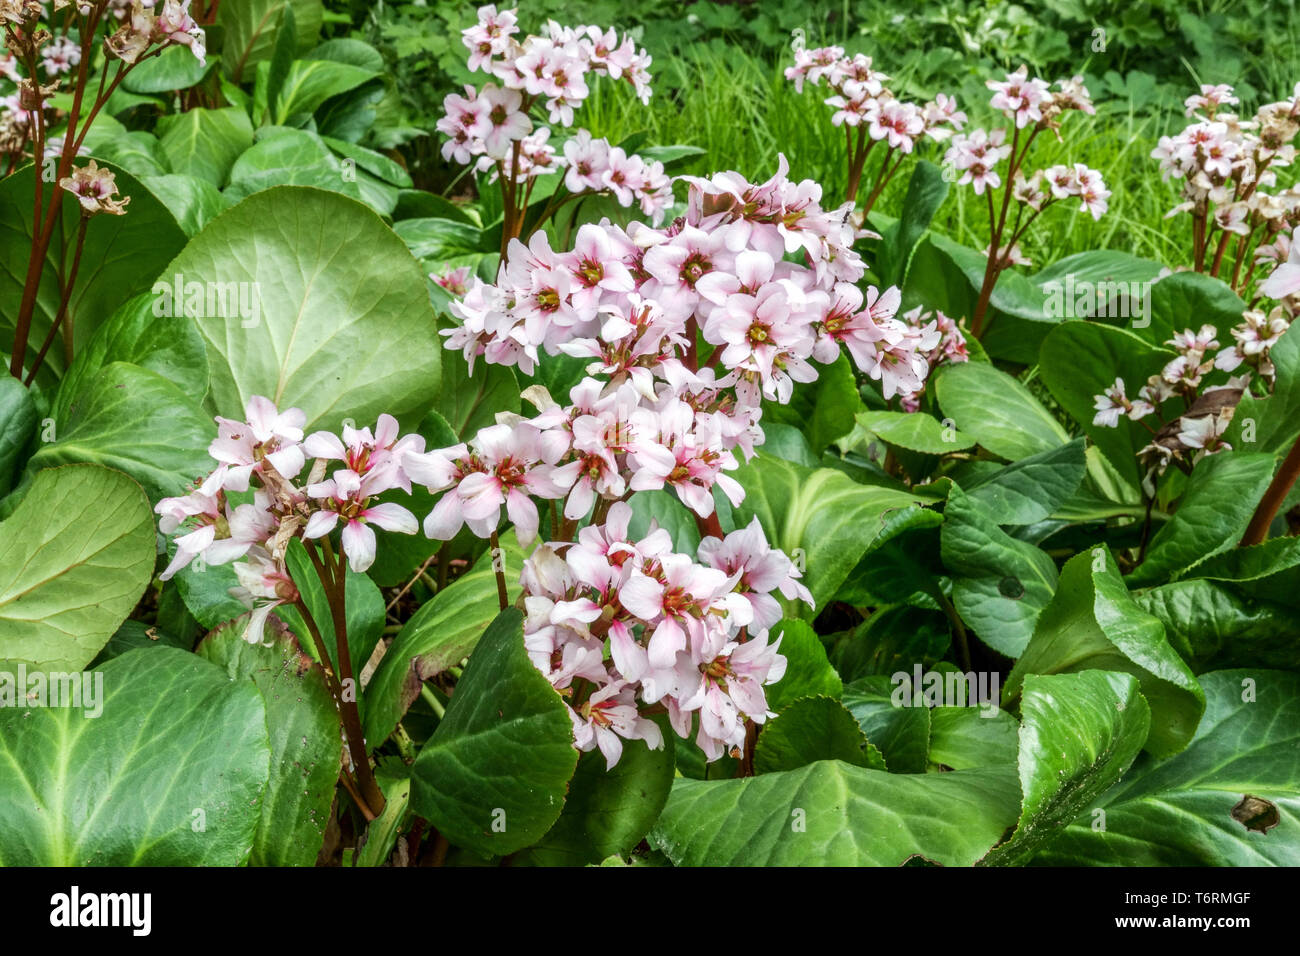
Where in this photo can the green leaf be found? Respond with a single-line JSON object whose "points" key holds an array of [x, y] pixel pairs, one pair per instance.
{"points": [[382, 834], [194, 202], [926, 191], [136, 421], [17, 423], [810, 729], [829, 813], [441, 239], [133, 635], [890, 564], [120, 258], [1213, 628], [470, 401], [896, 724], [915, 431], [807, 673], [1188, 300], [309, 83], [999, 585], [1079, 361], [289, 157], [1079, 733], [169, 773], [439, 635], [1179, 812], [250, 30], [306, 752], [1092, 623], [172, 70], [1212, 515], [964, 738], [608, 811], [344, 330], [1032, 488], [75, 556], [997, 411], [205, 143], [494, 775], [820, 514], [171, 348]]}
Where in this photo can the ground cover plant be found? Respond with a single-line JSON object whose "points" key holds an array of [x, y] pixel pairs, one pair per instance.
{"points": [[663, 435]]}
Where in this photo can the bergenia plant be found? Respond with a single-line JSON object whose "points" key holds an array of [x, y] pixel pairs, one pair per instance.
{"points": [[976, 159], [504, 127], [1227, 167], [61, 52], [871, 113]]}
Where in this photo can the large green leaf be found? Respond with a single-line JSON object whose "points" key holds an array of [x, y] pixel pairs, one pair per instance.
{"points": [[306, 750], [608, 811], [1079, 361], [1212, 514], [469, 402], [915, 431], [997, 411], [1079, 733], [345, 329], [494, 775], [832, 814], [926, 191], [169, 347], [1214, 628], [1180, 812], [819, 516], [194, 202], [134, 420], [1092, 623], [807, 671], [120, 258], [310, 83], [1189, 300], [1000, 585], [75, 556], [176, 68], [900, 733], [810, 729], [17, 422], [205, 143], [1032, 488], [289, 157], [439, 635], [964, 738], [250, 30], [170, 773]]}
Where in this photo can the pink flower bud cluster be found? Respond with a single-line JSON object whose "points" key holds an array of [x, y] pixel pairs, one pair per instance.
{"points": [[631, 299], [946, 345], [492, 126], [258, 499], [1225, 163], [618, 625], [860, 98]]}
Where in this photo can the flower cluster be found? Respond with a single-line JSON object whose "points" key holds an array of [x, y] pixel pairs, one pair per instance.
{"points": [[157, 24], [250, 507], [492, 126], [618, 624], [1208, 409], [945, 341], [631, 299], [1225, 164], [861, 98]]}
